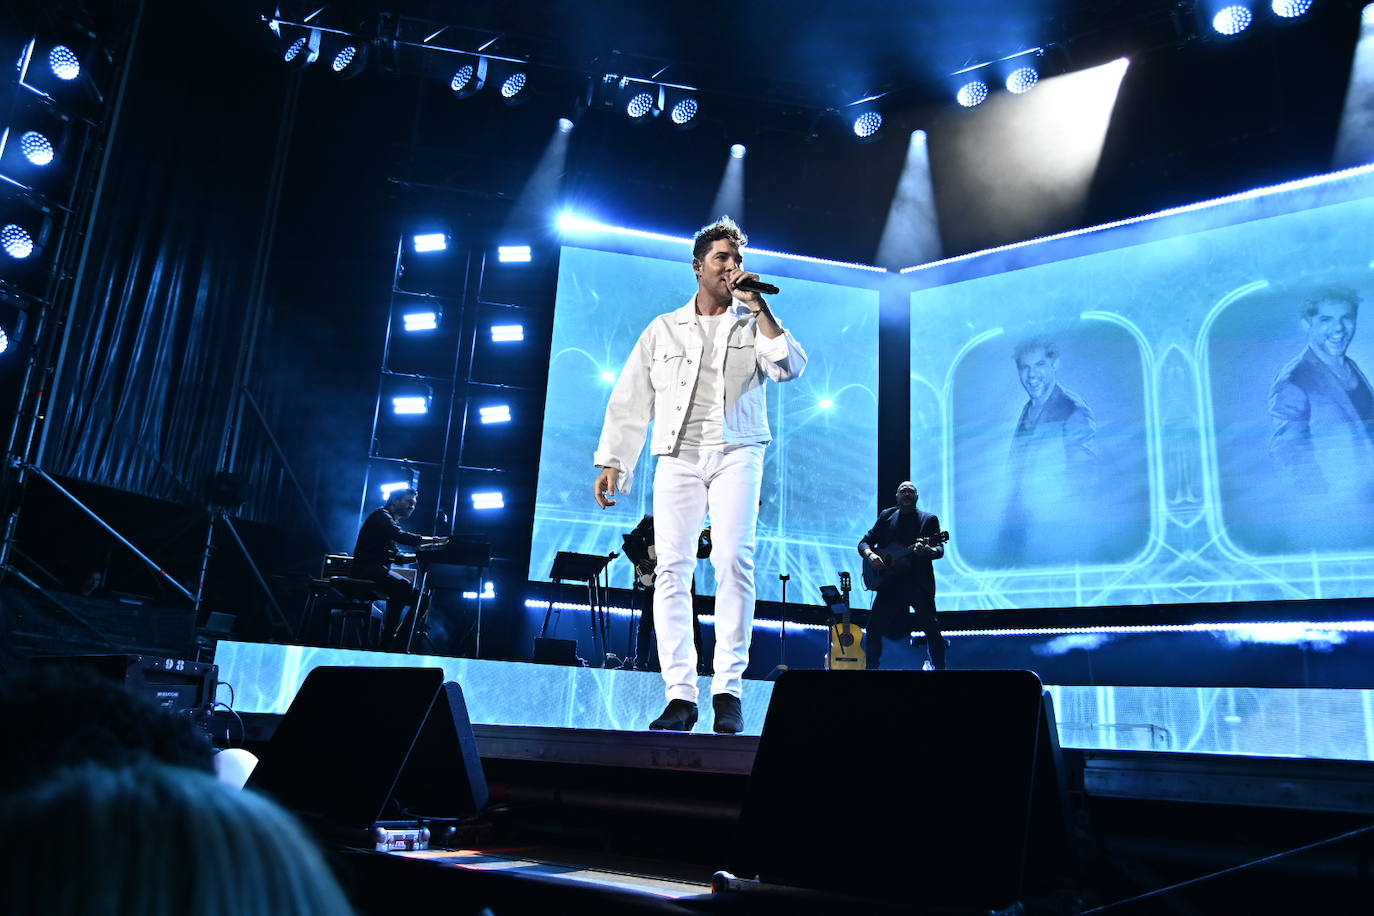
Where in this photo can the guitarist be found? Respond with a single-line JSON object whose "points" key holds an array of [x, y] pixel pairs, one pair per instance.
{"points": [[906, 599]]}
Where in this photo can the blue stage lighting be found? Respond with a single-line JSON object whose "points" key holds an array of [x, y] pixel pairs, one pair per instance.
{"points": [[971, 94], [469, 78], [565, 126], [640, 104], [867, 124], [569, 221], [431, 241], [506, 333], [64, 62], [16, 241], [1232, 20], [489, 500], [514, 85], [349, 60], [488, 591], [1290, 9], [509, 254], [498, 413], [294, 50], [1022, 79], [410, 404], [36, 148], [826, 403], [389, 488], [608, 376], [684, 111], [737, 151], [420, 321], [4, 341]]}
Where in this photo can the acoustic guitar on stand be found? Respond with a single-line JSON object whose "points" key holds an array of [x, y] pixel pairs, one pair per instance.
{"points": [[846, 638]]}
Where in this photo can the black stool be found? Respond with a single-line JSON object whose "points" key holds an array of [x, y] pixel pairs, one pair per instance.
{"points": [[354, 620]]}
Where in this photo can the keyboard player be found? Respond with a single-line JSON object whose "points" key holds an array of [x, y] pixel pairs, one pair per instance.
{"points": [[376, 550]]}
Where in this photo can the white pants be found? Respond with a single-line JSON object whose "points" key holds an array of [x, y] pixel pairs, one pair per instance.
{"points": [[725, 484]]}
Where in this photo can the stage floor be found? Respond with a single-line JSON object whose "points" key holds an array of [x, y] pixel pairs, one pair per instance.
{"points": [[1243, 721]]}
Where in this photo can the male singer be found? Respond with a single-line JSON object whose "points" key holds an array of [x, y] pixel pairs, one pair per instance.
{"points": [[698, 373]]}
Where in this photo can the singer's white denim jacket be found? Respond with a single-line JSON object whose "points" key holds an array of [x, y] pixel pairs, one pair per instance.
{"points": [[660, 375]]}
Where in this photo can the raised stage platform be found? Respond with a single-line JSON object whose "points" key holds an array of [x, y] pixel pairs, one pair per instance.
{"points": [[589, 805], [1332, 724]]}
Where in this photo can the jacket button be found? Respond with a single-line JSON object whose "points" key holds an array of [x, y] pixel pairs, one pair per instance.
{"points": [[679, 407], [682, 383], [689, 362]]}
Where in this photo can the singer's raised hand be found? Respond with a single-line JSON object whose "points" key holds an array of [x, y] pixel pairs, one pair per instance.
{"points": [[751, 297]]}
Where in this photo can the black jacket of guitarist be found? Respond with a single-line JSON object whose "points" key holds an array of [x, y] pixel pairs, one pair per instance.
{"points": [[898, 528]]}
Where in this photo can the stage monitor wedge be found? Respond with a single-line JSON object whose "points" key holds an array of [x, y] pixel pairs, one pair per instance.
{"points": [[909, 786], [362, 745]]}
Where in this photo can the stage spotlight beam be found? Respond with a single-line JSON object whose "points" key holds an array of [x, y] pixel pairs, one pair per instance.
{"points": [[730, 192], [987, 158], [911, 234], [1355, 138]]}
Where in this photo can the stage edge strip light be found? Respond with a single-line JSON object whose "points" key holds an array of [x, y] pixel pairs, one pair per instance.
{"points": [[1271, 626], [572, 223], [1349, 626], [536, 604], [1295, 185]]}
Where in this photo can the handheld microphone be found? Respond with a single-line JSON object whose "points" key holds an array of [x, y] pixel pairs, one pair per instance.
{"points": [[757, 286]]}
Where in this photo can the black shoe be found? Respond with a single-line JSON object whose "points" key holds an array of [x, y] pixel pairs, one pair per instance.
{"points": [[680, 716], [729, 716]]}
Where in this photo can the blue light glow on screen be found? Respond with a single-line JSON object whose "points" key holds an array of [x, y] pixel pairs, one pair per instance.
{"points": [[818, 493], [1192, 445]]}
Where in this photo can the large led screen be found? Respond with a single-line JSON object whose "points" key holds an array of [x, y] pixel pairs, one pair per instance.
{"points": [[818, 494], [1173, 411]]}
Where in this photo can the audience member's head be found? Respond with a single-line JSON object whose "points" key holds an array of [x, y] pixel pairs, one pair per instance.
{"points": [[155, 840], [58, 716]]}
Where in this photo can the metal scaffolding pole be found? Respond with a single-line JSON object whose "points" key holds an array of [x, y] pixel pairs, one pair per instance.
{"points": [[149, 561]]}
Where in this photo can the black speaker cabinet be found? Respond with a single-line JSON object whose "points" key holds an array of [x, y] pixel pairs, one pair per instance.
{"points": [[363, 745], [915, 786]]}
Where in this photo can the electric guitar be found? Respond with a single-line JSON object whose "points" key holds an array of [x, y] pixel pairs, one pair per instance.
{"points": [[897, 560], [846, 639]]}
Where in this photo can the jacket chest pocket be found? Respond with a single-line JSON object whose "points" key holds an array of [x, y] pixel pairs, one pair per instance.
{"points": [[740, 361], [665, 365]]}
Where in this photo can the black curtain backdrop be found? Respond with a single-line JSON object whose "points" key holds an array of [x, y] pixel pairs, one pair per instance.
{"points": [[167, 299]]}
